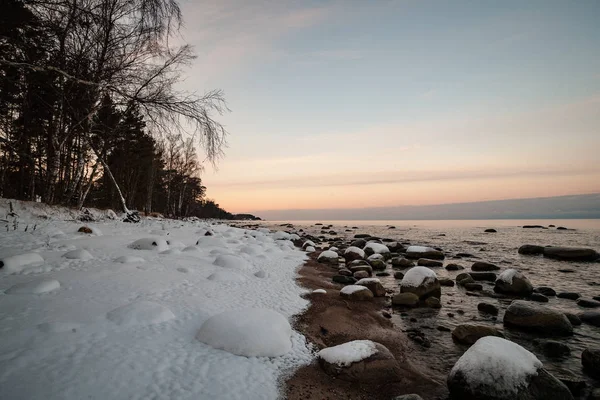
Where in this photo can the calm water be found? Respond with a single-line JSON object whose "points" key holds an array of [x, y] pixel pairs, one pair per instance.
{"points": [[499, 248]]}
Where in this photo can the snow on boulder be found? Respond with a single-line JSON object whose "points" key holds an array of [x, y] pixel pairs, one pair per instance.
{"points": [[348, 353], [374, 285], [421, 281], [140, 313], [110, 214], [328, 257], [353, 253], [310, 249], [281, 235], [253, 332], [129, 259], [79, 254], [226, 276], [356, 292], [498, 369], [231, 261], [512, 281], [376, 248], [150, 244], [251, 249], [416, 252], [294, 236], [16, 264], [319, 291], [374, 257], [34, 287], [308, 243]]}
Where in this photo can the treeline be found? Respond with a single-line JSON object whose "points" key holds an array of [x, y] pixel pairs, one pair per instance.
{"points": [[90, 111]]}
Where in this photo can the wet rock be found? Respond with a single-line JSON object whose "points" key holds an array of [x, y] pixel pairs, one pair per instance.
{"points": [[571, 253], [594, 394], [421, 281], [442, 328], [566, 270], [473, 286], [424, 262], [588, 303], [545, 290], [473, 294], [418, 337], [464, 278], [568, 295], [573, 319], [345, 280], [405, 299], [590, 358], [356, 293], [481, 266], [382, 274], [433, 302], [534, 227], [488, 308], [533, 317], [597, 298], [395, 247], [386, 314], [446, 282], [361, 235], [345, 272], [530, 249], [378, 265], [366, 268], [408, 397], [490, 230], [483, 276], [467, 255], [454, 267], [356, 263], [576, 386], [361, 274], [85, 229], [401, 262], [470, 333], [374, 285], [398, 275], [353, 253], [591, 317], [416, 252], [513, 282], [552, 348], [540, 298]]}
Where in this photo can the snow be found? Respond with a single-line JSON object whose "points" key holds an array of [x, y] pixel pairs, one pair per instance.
{"points": [[508, 275], [497, 363], [95, 337], [352, 289], [253, 332], [418, 249], [333, 248], [150, 244], [129, 259], [226, 276], [320, 291], [366, 281], [231, 261], [375, 257], [80, 254], [348, 353], [17, 263], [354, 249], [377, 248], [281, 235], [310, 249], [328, 254], [34, 287], [416, 276], [308, 243]]}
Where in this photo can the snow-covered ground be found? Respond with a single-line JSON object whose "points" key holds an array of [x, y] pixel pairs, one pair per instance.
{"points": [[100, 318]]}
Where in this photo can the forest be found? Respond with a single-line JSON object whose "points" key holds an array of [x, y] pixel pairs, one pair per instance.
{"points": [[91, 113]]}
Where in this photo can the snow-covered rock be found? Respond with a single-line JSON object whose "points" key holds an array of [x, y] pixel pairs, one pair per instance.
{"points": [[141, 312], [79, 254], [498, 369], [319, 291], [281, 235], [34, 287], [308, 243], [261, 274], [374, 257], [151, 243], [328, 257], [129, 259], [231, 261], [421, 281], [16, 264], [376, 248], [226, 276], [356, 292], [353, 253], [254, 332], [416, 252], [513, 282], [310, 249], [374, 285], [345, 354]]}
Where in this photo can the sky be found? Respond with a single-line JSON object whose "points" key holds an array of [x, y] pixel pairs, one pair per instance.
{"points": [[353, 104]]}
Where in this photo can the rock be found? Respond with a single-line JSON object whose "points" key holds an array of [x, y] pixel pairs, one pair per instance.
{"points": [[562, 228], [416, 252], [566, 270], [398, 275], [85, 229], [540, 298], [360, 243], [382, 274], [591, 317], [424, 262], [490, 230], [488, 308], [588, 303], [530, 249], [378, 265], [379, 366], [529, 316], [466, 255], [473, 286], [345, 272], [401, 262], [545, 290], [481, 266], [446, 282], [571, 253], [454, 267], [470, 333], [568, 295], [534, 226], [366, 268], [356, 293], [408, 397], [421, 281], [597, 298], [590, 358], [464, 278], [574, 319], [483, 276], [361, 235], [396, 247], [344, 280], [497, 369], [576, 386], [361, 274], [513, 282], [433, 302], [405, 299], [594, 394], [356, 263], [552, 348], [353, 253], [374, 285]]}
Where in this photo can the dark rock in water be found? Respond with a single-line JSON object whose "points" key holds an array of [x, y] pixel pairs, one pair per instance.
{"points": [[473, 286], [408, 397], [534, 227], [562, 228], [378, 265], [430, 253], [473, 294], [433, 302], [361, 274], [481, 266], [366, 268], [552, 348], [540, 298], [597, 298], [401, 262], [345, 272], [386, 314], [483, 276], [396, 247], [515, 284], [530, 249], [442, 328], [356, 263], [488, 308], [588, 303], [551, 226], [590, 358], [466, 255], [478, 375], [398, 275], [464, 278], [382, 274], [391, 227], [573, 319], [568, 295], [446, 282], [490, 230], [454, 267], [571, 253], [566, 270], [545, 290], [405, 299], [530, 316], [576, 386], [360, 243], [591, 317], [470, 333], [361, 235], [594, 394], [374, 285], [418, 337], [424, 262], [345, 280]]}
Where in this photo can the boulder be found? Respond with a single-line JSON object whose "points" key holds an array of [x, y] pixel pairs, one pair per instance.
{"points": [[401, 262], [552, 348], [328, 257], [571, 253], [481, 266], [378, 265], [446, 282], [464, 278], [376, 248], [454, 267], [374, 285], [361, 274], [591, 317], [531, 249], [534, 317], [416, 252], [490, 230], [483, 276], [473, 286], [85, 229], [433, 302], [396, 247], [360, 243], [540, 298], [366, 268], [568, 295], [345, 272], [590, 358], [356, 293], [513, 282], [573, 319], [355, 263], [398, 275], [353, 253], [545, 290], [470, 333], [405, 299], [421, 281], [344, 280], [424, 262], [497, 369], [488, 308], [588, 303]]}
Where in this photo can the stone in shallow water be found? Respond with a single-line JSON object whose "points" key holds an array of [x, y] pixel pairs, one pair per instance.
{"points": [[530, 316], [588, 303]]}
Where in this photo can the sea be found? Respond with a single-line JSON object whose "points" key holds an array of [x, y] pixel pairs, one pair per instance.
{"points": [[500, 248]]}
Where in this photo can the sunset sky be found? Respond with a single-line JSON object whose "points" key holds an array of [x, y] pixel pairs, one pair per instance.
{"points": [[347, 104]]}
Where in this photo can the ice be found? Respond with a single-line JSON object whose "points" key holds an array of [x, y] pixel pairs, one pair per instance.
{"points": [[377, 248], [354, 249], [140, 313], [150, 244], [418, 249], [17, 263], [497, 363], [352, 289], [129, 259], [322, 291], [79, 254], [34, 287], [59, 327], [348, 353], [231, 261], [226, 276], [416, 276], [508, 275], [251, 332], [328, 254]]}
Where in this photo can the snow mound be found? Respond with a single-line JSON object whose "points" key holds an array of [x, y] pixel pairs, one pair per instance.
{"points": [[140, 313], [250, 249], [211, 241], [348, 353], [231, 261], [294, 236], [34, 287], [226, 276], [354, 249], [353, 289], [497, 363], [188, 249], [129, 259], [281, 235], [253, 332], [150, 244], [333, 248], [159, 232], [508, 275], [58, 327], [328, 254], [310, 249], [321, 291], [79, 254], [416, 276], [377, 248], [15, 264], [171, 251], [261, 274], [419, 249], [308, 243]]}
